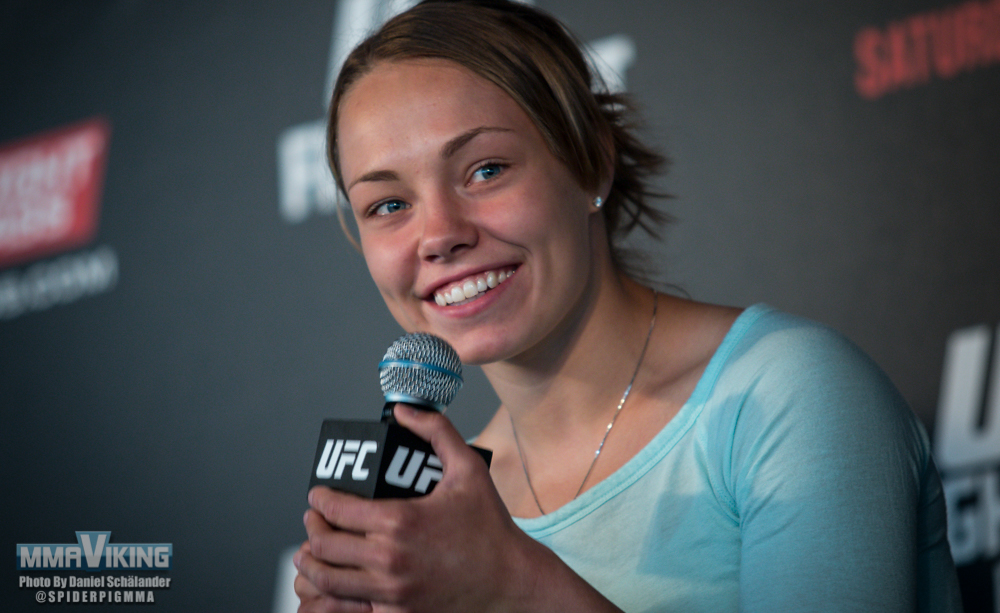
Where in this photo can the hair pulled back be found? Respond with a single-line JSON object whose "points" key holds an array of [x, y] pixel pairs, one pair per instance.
{"points": [[536, 61]]}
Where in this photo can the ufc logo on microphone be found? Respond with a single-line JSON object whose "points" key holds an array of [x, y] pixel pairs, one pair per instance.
{"points": [[338, 454], [404, 478]]}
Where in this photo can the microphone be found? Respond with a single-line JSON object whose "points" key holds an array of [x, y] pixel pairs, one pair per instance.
{"points": [[422, 370], [383, 459]]}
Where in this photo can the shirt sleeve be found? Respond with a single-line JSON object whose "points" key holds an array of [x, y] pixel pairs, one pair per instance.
{"points": [[832, 482]]}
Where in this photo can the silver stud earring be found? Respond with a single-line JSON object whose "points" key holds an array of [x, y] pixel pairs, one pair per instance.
{"points": [[598, 202]]}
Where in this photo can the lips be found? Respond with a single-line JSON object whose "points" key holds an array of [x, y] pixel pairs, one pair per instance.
{"points": [[471, 287]]}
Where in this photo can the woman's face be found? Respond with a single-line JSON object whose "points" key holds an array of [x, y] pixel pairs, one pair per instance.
{"points": [[453, 189]]}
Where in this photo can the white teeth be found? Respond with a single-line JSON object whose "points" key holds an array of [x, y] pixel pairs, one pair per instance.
{"points": [[471, 288]]}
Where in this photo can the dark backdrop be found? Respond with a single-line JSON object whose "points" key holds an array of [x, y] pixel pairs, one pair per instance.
{"points": [[182, 404]]}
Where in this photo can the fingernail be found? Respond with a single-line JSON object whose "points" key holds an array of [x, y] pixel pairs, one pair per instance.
{"points": [[305, 516], [297, 559], [405, 409]]}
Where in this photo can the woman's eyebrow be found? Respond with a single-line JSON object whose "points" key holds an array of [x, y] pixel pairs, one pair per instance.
{"points": [[375, 175], [451, 147]]}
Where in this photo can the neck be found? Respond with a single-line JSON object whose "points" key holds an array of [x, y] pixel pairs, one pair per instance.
{"points": [[573, 381]]}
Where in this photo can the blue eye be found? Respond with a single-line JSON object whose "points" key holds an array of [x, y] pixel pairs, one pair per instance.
{"points": [[488, 171], [388, 207]]}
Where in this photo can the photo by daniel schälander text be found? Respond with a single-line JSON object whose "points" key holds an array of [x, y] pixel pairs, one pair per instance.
{"points": [[94, 553]]}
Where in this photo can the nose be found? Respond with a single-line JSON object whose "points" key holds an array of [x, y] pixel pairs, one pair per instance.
{"points": [[447, 230]]}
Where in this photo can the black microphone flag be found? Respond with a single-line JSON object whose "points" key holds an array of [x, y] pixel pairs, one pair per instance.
{"points": [[383, 459]]}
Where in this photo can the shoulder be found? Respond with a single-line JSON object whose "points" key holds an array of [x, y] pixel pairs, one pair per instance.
{"points": [[821, 454], [786, 354], [757, 340], [790, 387]]}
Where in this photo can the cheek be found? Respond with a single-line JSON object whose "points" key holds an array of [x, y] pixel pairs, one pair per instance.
{"points": [[388, 271], [385, 265], [552, 217], [532, 214]]}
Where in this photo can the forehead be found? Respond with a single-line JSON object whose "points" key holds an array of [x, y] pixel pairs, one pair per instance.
{"points": [[397, 82], [401, 103]]}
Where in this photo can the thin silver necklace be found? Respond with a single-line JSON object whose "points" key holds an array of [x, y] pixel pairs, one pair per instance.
{"points": [[611, 424]]}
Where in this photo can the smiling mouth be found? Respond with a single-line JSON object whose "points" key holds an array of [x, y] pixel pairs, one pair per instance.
{"points": [[471, 288]]}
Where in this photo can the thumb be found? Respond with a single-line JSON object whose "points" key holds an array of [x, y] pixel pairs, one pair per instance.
{"points": [[434, 428]]}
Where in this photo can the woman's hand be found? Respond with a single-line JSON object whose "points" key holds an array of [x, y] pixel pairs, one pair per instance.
{"points": [[455, 549]]}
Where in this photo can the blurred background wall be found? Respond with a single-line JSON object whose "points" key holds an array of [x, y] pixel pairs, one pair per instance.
{"points": [[179, 311]]}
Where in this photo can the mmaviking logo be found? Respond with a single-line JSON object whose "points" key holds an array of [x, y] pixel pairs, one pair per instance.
{"points": [[94, 552]]}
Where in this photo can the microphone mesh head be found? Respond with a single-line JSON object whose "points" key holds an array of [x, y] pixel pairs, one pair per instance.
{"points": [[420, 368]]}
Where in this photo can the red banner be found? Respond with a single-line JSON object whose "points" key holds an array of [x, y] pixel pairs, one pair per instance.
{"points": [[940, 43], [50, 191]]}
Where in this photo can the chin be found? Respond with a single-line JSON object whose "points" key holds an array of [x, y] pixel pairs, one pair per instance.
{"points": [[479, 351], [475, 355]]}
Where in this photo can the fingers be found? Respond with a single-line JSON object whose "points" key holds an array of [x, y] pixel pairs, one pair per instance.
{"points": [[434, 428], [324, 579], [316, 582], [351, 564], [335, 546], [314, 601], [350, 512]]}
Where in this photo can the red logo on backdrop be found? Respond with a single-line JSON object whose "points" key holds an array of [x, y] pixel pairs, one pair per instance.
{"points": [[50, 189], [939, 43]]}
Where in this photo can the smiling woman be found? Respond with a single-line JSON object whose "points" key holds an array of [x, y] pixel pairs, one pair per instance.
{"points": [[452, 183], [650, 453], [538, 64]]}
